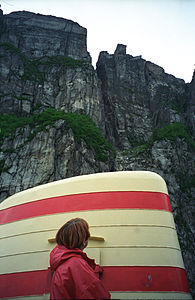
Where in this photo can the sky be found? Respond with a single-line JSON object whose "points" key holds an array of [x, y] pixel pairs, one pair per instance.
{"points": [[162, 31]]}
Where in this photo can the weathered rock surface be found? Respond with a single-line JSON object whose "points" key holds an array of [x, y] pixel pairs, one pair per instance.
{"points": [[130, 100], [138, 97], [34, 32]]}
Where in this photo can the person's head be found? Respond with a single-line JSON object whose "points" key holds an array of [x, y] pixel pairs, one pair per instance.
{"points": [[73, 234]]}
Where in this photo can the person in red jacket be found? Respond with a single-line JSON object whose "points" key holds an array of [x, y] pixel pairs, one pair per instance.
{"points": [[75, 276]]}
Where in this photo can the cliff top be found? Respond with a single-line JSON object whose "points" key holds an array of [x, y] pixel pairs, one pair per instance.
{"points": [[26, 18]]}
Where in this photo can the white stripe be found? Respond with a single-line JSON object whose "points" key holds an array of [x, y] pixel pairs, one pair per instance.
{"points": [[151, 295], [97, 218], [39, 260], [125, 295]]}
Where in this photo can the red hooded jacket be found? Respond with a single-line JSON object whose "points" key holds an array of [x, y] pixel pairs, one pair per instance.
{"points": [[75, 276]]}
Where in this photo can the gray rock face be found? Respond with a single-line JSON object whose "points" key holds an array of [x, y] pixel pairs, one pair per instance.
{"points": [[34, 32], [190, 115], [44, 78], [52, 155], [44, 64], [139, 97]]}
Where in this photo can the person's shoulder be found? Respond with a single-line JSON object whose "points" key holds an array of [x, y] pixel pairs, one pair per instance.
{"points": [[70, 266], [77, 260], [79, 264]]}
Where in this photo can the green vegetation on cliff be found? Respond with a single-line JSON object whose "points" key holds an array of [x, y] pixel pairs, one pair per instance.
{"points": [[82, 126], [172, 132], [32, 68], [169, 131], [61, 60]]}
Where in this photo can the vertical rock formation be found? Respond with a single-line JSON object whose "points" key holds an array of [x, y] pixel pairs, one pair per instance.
{"points": [[138, 97]]}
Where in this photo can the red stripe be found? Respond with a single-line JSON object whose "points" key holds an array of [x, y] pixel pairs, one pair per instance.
{"points": [[141, 279], [88, 201], [145, 279], [23, 284]]}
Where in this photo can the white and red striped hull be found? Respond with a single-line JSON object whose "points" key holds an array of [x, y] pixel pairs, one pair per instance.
{"points": [[130, 212]]}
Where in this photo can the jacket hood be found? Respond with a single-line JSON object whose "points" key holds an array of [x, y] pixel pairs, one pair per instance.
{"points": [[60, 254]]}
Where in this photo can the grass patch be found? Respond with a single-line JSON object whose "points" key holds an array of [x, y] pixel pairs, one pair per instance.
{"points": [[9, 124], [170, 132], [137, 150], [82, 126], [62, 60]]}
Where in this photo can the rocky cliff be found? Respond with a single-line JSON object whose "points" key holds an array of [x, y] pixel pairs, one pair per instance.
{"points": [[61, 118]]}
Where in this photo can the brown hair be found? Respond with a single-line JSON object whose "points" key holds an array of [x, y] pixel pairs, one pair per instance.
{"points": [[73, 233]]}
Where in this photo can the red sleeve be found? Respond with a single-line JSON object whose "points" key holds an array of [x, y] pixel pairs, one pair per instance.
{"points": [[87, 285], [61, 286], [79, 281]]}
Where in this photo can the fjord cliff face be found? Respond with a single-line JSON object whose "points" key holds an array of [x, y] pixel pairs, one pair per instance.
{"points": [[138, 97], [61, 118], [63, 79]]}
